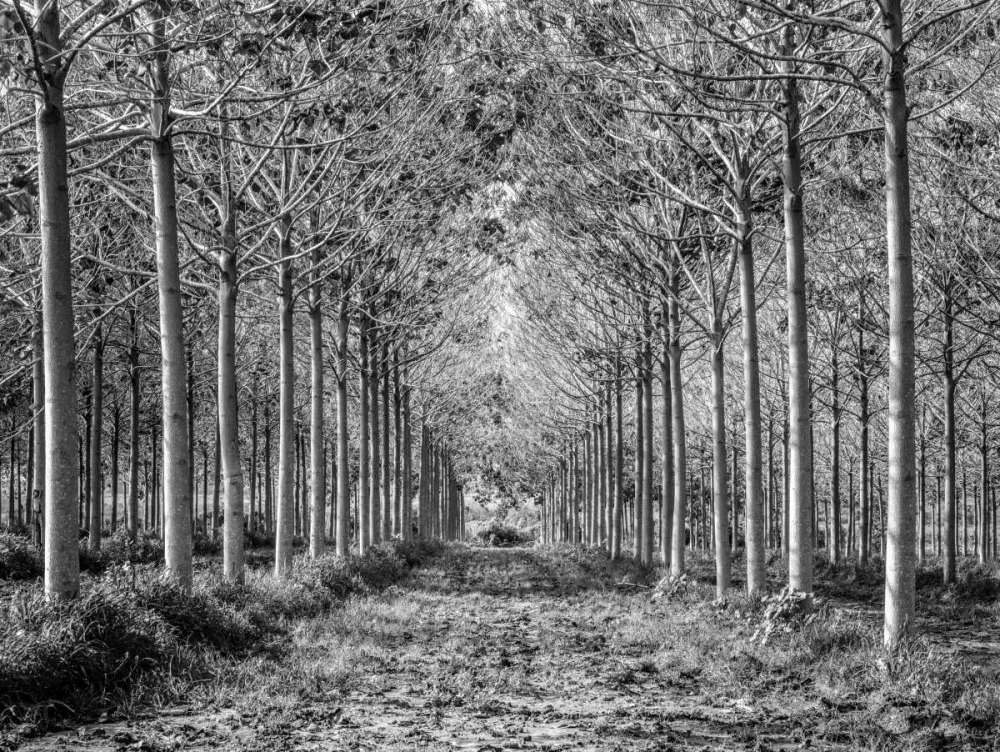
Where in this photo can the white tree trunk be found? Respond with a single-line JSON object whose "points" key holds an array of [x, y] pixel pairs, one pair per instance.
{"points": [[317, 462], [62, 556], [286, 411], [900, 561], [176, 435]]}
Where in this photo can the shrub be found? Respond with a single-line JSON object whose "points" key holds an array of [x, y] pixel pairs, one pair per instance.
{"points": [[501, 536], [71, 656], [20, 559], [120, 548], [205, 545], [65, 653], [257, 539]]}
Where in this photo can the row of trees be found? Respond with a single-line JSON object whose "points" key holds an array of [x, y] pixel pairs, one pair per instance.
{"points": [[670, 178], [304, 154]]}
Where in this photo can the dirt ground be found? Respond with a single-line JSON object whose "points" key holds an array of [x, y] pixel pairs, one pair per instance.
{"points": [[498, 649]]}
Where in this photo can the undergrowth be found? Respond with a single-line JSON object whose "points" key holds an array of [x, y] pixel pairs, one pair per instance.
{"points": [[502, 536], [131, 627]]}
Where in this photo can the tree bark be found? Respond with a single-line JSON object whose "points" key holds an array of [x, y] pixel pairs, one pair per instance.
{"points": [[62, 558], [96, 435], [647, 453], [375, 450], [317, 460], [385, 468], [286, 409], [619, 467], [679, 439], [720, 481], [800, 563], [343, 470], [900, 562], [38, 433], [364, 445], [176, 436]]}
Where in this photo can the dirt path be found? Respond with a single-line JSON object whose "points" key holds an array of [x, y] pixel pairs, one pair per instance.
{"points": [[483, 650]]}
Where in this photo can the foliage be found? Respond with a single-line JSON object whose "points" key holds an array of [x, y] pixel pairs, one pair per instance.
{"points": [[20, 559], [498, 535], [784, 612], [75, 655]]}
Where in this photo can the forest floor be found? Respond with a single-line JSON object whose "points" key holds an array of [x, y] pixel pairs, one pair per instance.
{"points": [[502, 649]]}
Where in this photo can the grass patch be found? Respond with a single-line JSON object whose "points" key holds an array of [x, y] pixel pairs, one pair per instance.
{"points": [[130, 628]]}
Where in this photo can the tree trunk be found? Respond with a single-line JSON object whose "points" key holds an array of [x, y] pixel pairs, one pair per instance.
{"points": [[835, 543], [619, 467], [96, 430], [647, 452], [317, 459], [638, 543], [679, 439], [116, 426], [407, 481], [343, 470], [364, 445], [900, 562], [62, 558], [38, 433], [720, 481], [800, 563], [397, 455], [386, 495], [983, 538], [287, 462], [864, 502], [949, 387], [375, 450], [255, 499], [176, 437], [228, 417]]}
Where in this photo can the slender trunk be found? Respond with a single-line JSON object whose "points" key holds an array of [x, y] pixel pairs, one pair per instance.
{"points": [[900, 562], [375, 450], [386, 496], [397, 456], [176, 437], [216, 482], [619, 467], [96, 429], [62, 560], [983, 538], [116, 425], [647, 466], [407, 480], [364, 522], [949, 385], [864, 505], [638, 543], [133, 439], [667, 448], [254, 447], [343, 470], [720, 481], [287, 462], [679, 437], [835, 543], [602, 475], [800, 563], [38, 423], [317, 460]]}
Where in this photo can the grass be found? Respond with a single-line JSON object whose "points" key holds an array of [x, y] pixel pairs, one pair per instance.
{"points": [[133, 634], [554, 637]]}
